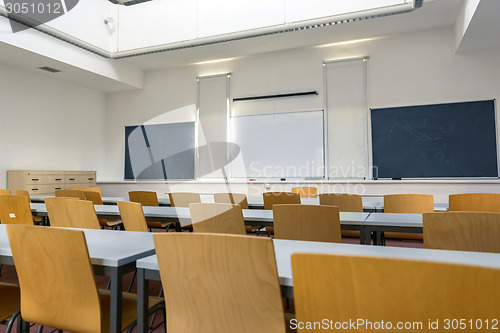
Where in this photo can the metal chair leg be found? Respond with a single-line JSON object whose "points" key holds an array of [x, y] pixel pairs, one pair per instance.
{"points": [[40, 329], [132, 281], [10, 324]]}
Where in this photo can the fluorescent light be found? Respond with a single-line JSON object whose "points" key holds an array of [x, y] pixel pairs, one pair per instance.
{"points": [[213, 61], [348, 42]]}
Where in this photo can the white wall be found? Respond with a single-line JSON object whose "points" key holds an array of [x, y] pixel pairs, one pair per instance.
{"points": [[49, 124], [403, 70]]}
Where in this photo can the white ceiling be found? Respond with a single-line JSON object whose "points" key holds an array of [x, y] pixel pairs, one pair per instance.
{"points": [[483, 31], [434, 14]]}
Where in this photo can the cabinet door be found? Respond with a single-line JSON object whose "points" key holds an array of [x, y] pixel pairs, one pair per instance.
{"points": [[44, 179]]}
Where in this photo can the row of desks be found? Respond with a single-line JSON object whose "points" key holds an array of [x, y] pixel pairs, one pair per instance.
{"points": [[369, 205], [115, 253], [367, 223]]}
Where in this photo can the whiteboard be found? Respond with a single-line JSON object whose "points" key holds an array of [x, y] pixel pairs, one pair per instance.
{"points": [[279, 145]]}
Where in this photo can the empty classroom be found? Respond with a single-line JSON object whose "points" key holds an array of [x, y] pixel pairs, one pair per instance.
{"points": [[263, 166]]}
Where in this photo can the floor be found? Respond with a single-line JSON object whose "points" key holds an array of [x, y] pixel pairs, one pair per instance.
{"points": [[8, 274]]}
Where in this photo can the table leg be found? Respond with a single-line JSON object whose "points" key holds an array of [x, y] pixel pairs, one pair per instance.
{"points": [[116, 301], [142, 301], [367, 235], [362, 235]]}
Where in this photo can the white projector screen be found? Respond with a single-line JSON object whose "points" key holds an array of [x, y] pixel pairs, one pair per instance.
{"points": [[280, 145]]}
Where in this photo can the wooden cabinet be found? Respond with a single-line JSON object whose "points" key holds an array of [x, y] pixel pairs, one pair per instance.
{"points": [[46, 182]]}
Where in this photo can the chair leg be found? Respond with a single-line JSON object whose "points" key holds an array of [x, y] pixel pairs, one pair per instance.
{"points": [[40, 329], [10, 324], [132, 281], [160, 294]]}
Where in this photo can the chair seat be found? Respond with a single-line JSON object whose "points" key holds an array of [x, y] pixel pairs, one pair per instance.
{"points": [[403, 235], [10, 300], [129, 307], [109, 223], [350, 233]]}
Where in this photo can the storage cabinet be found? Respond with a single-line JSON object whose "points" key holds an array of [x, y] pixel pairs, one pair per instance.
{"points": [[46, 182]]}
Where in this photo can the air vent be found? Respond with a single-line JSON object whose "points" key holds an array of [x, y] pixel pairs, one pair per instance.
{"points": [[49, 69]]}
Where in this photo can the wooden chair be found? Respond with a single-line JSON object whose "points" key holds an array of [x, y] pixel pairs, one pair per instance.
{"points": [[147, 198], [9, 305], [15, 209], [24, 193], [306, 192], [132, 216], [70, 193], [217, 218], [307, 223], [86, 189], [60, 290], [464, 231], [346, 203], [82, 214], [56, 209], [232, 198], [183, 199], [280, 198], [235, 198], [409, 204], [236, 275], [475, 202], [4, 192], [95, 197], [399, 290]]}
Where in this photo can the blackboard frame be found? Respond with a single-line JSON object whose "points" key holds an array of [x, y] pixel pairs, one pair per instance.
{"points": [[375, 140], [161, 151]]}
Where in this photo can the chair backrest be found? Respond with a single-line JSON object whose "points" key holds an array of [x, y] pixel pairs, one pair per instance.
{"points": [[15, 209], [70, 193], [56, 209], [132, 216], [232, 198], [23, 193], [475, 202], [93, 196], [306, 192], [236, 275], [307, 223], [59, 288], [409, 203], [183, 199], [345, 202], [465, 231], [218, 218], [87, 189], [145, 198], [407, 291], [4, 192], [281, 198], [82, 214]]}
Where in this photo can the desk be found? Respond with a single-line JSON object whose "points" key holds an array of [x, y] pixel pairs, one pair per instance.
{"points": [[253, 202], [393, 222], [148, 267], [252, 217], [112, 253]]}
